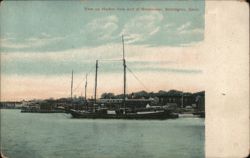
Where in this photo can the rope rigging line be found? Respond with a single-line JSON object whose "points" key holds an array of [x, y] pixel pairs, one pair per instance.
{"points": [[137, 78], [109, 60], [78, 85]]}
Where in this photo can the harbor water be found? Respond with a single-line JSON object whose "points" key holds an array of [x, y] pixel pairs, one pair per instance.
{"points": [[57, 135]]}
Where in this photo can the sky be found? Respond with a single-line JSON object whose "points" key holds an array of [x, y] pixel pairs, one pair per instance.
{"points": [[41, 42]]}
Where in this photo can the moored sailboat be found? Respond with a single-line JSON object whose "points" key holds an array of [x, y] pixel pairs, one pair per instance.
{"points": [[122, 112]]}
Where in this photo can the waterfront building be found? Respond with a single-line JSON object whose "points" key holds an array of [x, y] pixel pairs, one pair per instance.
{"points": [[10, 105], [183, 100]]}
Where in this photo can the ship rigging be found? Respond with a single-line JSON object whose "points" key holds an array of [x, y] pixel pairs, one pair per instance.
{"points": [[122, 112]]}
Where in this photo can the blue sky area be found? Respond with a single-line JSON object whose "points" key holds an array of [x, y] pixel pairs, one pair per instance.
{"points": [[43, 27]]}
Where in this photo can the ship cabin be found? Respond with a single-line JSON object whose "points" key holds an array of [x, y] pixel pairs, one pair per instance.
{"points": [[129, 103]]}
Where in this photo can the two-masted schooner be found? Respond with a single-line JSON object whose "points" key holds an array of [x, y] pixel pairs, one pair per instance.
{"points": [[122, 111]]}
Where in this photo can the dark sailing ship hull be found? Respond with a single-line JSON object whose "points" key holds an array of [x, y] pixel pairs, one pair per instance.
{"points": [[148, 116]]}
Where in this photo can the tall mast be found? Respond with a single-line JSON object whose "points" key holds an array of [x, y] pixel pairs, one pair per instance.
{"points": [[71, 93], [86, 84], [96, 68], [182, 105], [124, 75]]}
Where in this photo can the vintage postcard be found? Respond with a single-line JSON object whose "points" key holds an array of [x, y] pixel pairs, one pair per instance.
{"points": [[124, 78]]}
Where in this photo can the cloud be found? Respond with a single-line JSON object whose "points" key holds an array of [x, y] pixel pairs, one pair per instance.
{"points": [[168, 27], [32, 42], [162, 66], [184, 26], [101, 28], [170, 69], [141, 27], [8, 43], [192, 31], [165, 59], [186, 29], [108, 51], [170, 65]]}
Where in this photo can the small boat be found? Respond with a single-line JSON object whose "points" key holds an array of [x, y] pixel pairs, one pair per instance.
{"points": [[187, 115], [38, 110], [201, 114], [42, 111]]}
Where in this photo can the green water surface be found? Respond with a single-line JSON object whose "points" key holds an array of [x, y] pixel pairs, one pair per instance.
{"points": [[27, 135]]}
